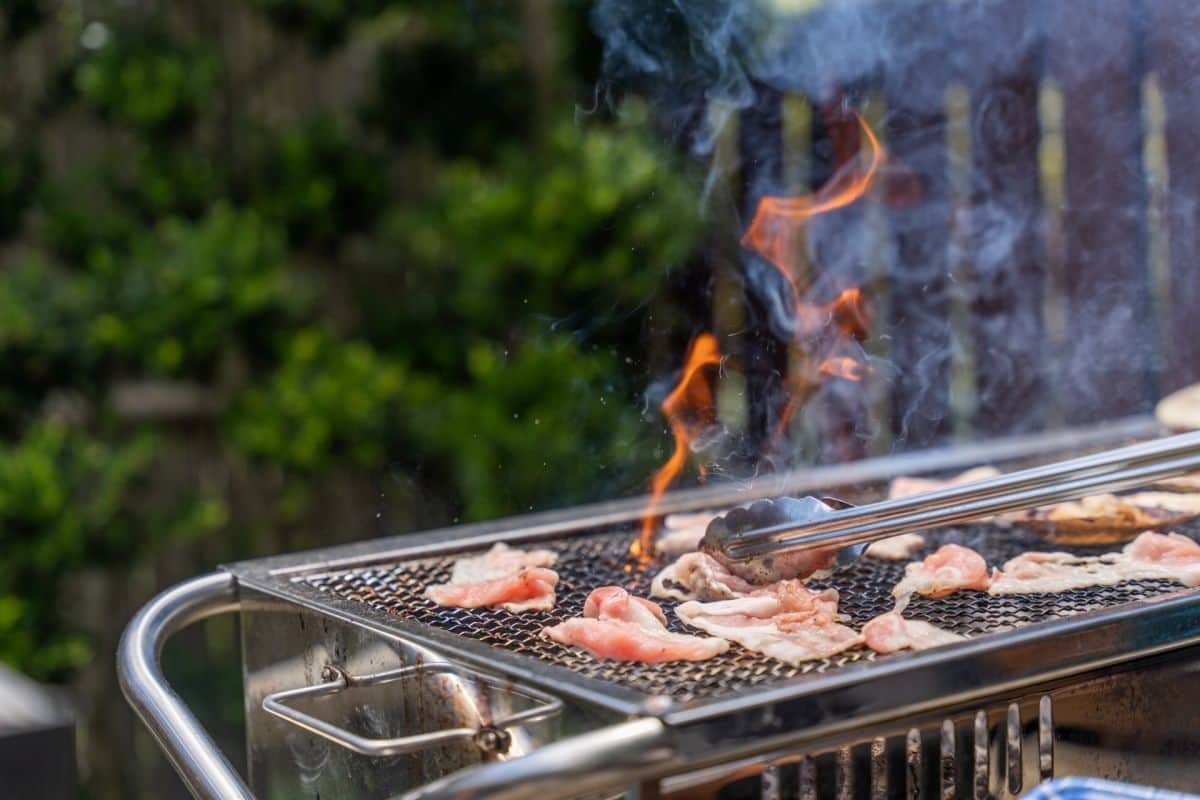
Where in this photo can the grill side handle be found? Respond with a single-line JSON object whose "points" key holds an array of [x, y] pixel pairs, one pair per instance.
{"points": [[196, 758], [604, 759]]}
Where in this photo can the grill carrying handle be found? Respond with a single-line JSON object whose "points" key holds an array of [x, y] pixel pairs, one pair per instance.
{"points": [[491, 738], [199, 762], [1110, 471]]}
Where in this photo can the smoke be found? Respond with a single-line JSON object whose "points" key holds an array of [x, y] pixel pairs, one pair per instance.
{"points": [[979, 252]]}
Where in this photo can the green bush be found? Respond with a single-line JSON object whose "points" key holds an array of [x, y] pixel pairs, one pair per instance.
{"points": [[149, 83], [44, 318], [64, 505], [19, 171], [329, 401], [191, 292], [320, 184]]}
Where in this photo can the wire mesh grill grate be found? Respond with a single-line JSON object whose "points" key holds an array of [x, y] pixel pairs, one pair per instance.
{"points": [[599, 559]]}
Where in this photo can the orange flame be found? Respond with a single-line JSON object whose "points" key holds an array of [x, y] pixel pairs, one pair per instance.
{"points": [[775, 234], [773, 231], [690, 409], [842, 367]]}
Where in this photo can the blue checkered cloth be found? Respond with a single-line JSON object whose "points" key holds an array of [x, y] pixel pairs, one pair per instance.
{"points": [[1097, 789]]}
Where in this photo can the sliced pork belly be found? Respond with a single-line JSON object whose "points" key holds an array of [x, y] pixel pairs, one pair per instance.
{"points": [[699, 576], [896, 548], [526, 589], [1166, 555], [949, 569], [682, 533], [908, 487], [786, 621], [619, 626], [499, 562], [1151, 556], [891, 632], [1105, 518]]}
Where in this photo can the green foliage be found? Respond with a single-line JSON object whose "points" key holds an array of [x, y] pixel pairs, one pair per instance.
{"points": [[44, 314], [187, 294], [149, 83], [541, 419], [320, 184], [19, 170], [64, 504], [329, 401], [597, 215], [324, 23]]}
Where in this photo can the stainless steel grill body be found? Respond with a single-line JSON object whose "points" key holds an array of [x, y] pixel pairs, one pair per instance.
{"points": [[977, 710]]}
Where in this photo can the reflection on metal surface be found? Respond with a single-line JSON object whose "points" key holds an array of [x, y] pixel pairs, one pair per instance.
{"points": [[912, 763], [947, 761], [879, 768], [771, 783], [1013, 748], [1046, 738], [982, 755]]}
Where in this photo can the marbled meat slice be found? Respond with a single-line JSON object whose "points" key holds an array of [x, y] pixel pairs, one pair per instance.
{"points": [[527, 589], [786, 621], [896, 548], [1109, 515], [616, 625], [682, 533], [499, 562], [699, 576], [949, 569], [1151, 556], [891, 632]]}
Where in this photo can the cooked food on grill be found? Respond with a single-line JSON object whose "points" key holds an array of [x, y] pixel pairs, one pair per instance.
{"points": [[1151, 556], [699, 576], [1107, 518], [505, 577], [761, 514], [891, 632], [1181, 483], [682, 533], [499, 562], [1180, 410], [949, 569], [619, 626], [786, 621], [527, 589], [907, 487], [896, 548]]}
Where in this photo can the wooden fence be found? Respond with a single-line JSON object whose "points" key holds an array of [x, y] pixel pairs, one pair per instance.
{"points": [[1045, 273]]}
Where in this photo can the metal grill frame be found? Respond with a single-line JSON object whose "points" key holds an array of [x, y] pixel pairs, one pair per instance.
{"points": [[820, 702]]}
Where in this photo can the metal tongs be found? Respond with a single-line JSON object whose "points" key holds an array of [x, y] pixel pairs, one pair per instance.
{"points": [[852, 529]]}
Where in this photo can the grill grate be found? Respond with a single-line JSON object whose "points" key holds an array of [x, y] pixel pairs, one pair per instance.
{"points": [[599, 559]]}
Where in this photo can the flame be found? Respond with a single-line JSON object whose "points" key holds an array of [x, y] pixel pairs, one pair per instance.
{"points": [[775, 234], [842, 367], [690, 409], [777, 222]]}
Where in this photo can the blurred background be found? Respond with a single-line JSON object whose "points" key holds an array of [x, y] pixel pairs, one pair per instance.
{"points": [[284, 273], [279, 274]]}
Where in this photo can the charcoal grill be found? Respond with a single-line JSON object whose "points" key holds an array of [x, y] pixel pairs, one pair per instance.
{"points": [[356, 686]]}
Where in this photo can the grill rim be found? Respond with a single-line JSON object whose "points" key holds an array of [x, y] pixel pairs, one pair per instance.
{"points": [[1163, 623]]}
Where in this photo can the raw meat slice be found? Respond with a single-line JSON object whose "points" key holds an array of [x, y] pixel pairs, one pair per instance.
{"points": [[949, 569], [891, 632], [786, 621], [896, 548], [619, 626], [699, 576], [1151, 556], [1107, 518], [682, 533], [499, 562], [527, 589]]}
